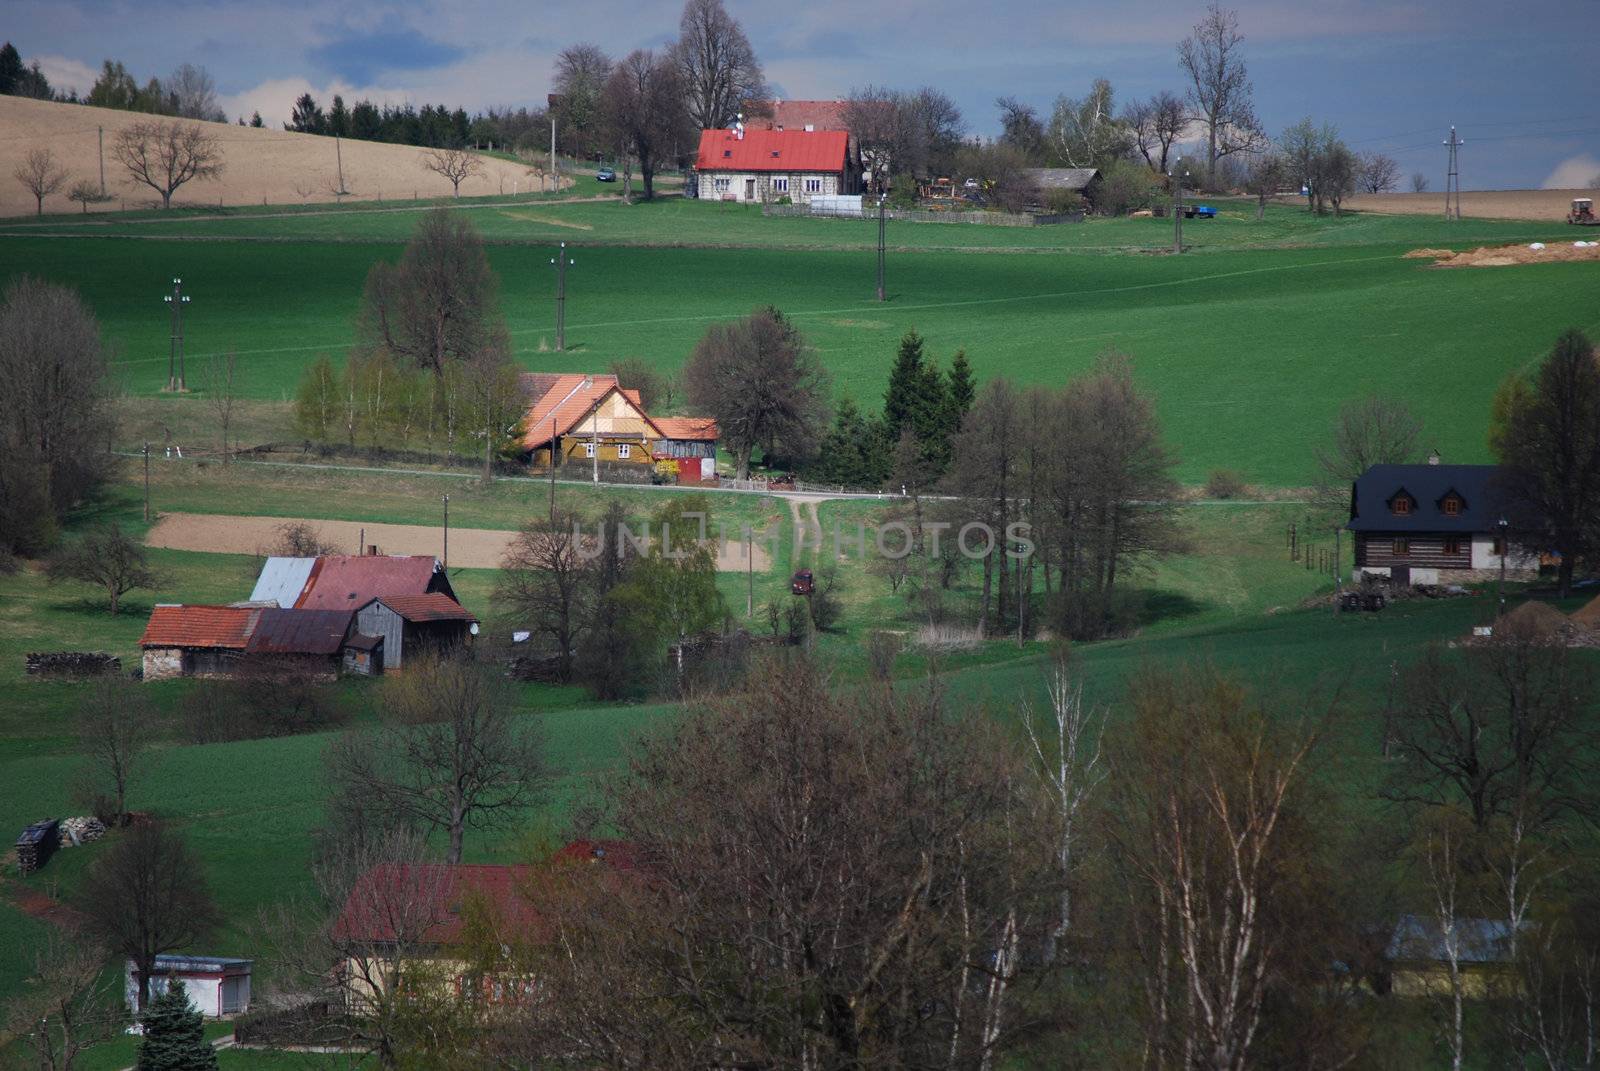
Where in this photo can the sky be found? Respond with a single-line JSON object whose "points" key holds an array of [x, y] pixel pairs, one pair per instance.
{"points": [[1520, 81]]}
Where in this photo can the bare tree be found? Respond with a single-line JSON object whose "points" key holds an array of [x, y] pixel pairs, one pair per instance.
{"points": [[1021, 129], [299, 539], [1155, 125], [193, 93], [68, 1006], [41, 176], [1378, 172], [450, 754], [108, 559], [643, 104], [1442, 856], [717, 67], [115, 730], [1219, 85], [545, 583], [147, 894], [1419, 182], [1369, 431], [579, 80], [165, 155], [877, 119], [455, 166], [439, 305], [87, 192], [656, 388], [221, 393], [1268, 173], [762, 384]]}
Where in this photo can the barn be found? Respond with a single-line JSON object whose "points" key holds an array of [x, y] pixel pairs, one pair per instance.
{"points": [[346, 581], [195, 641], [408, 625]]}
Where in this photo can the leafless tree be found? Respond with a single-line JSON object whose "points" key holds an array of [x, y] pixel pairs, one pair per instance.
{"points": [[115, 730], [147, 894], [656, 388], [762, 384], [193, 93], [878, 121], [1368, 431], [299, 539], [1378, 172], [68, 1005], [1442, 849], [455, 166], [41, 176], [1066, 749], [165, 155], [545, 583], [1267, 175], [109, 559], [1155, 126], [1219, 85], [717, 67], [643, 103], [450, 754], [221, 393], [1419, 182], [55, 411], [579, 80], [1554, 1014], [439, 305], [987, 474], [1087, 132], [1021, 129], [87, 192]]}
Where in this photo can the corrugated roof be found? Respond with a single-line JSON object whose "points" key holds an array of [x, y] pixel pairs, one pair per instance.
{"points": [[435, 606], [226, 627], [1427, 485], [362, 642], [1061, 178], [702, 428], [772, 150], [313, 632], [282, 580], [348, 581]]}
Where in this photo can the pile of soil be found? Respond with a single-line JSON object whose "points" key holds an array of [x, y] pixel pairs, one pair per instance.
{"points": [[1588, 615], [1502, 256]]}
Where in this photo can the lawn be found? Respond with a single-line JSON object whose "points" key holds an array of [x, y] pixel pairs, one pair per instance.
{"points": [[1248, 349]]}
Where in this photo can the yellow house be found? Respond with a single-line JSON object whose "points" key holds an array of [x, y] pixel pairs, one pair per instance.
{"points": [[1419, 957], [576, 418]]}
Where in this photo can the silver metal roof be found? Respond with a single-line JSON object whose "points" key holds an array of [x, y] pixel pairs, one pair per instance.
{"points": [[282, 580]]}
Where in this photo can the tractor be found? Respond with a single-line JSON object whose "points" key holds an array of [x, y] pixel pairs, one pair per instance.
{"points": [[1583, 213]]}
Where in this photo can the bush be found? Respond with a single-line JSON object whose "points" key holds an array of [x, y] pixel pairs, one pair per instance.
{"points": [[883, 650], [261, 702], [1226, 483], [1124, 188], [1095, 615], [826, 609], [1063, 202]]}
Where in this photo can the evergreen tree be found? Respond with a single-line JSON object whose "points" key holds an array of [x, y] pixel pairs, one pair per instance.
{"points": [[174, 1035], [905, 385], [918, 401], [961, 390], [307, 117], [10, 68], [255, 120], [855, 452], [339, 118]]}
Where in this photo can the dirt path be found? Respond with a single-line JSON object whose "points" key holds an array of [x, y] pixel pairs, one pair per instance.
{"points": [[807, 526], [470, 548]]}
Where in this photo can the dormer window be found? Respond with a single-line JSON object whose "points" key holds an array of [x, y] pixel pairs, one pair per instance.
{"points": [[1400, 505], [1451, 506]]}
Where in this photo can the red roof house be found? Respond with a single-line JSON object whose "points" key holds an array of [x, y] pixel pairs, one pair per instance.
{"points": [[770, 165], [422, 904], [804, 115], [350, 581]]}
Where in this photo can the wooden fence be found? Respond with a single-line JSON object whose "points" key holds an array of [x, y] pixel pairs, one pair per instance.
{"points": [[909, 215]]}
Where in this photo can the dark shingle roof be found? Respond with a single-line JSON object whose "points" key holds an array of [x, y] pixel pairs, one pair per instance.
{"points": [[1372, 493]]}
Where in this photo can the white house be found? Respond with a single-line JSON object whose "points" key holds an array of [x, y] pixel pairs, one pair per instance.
{"points": [[765, 166], [217, 986]]}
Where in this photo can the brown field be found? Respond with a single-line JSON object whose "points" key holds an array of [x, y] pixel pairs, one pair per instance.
{"points": [[1546, 205], [470, 548], [274, 166]]}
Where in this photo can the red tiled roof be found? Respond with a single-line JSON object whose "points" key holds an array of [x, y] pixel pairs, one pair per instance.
{"points": [[772, 150], [348, 582], [702, 428], [199, 626], [435, 606], [799, 114], [562, 404], [617, 854], [423, 902]]}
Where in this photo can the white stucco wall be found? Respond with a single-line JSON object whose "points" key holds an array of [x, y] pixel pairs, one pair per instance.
{"points": [[765, 186]]}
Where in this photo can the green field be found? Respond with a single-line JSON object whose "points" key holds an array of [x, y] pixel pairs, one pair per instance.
{"points": [[1249, 345]]}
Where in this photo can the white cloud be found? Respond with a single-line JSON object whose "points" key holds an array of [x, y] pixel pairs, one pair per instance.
{"points": [[275, 99], [1573, 173], [66, 74]]}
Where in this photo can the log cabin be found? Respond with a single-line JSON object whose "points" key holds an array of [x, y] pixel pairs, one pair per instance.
{"points": [[1431, 524]]}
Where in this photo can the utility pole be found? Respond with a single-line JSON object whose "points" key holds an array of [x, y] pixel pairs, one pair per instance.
{"points": [[880, 247], [750, 573], [555, 175], [1452, 178], [1177, 210], [1505, 552], [102, 160], [338, 154], [562, 262], [594, 440], [147, 480], [552, 469], [447, 532], [177, 299]]}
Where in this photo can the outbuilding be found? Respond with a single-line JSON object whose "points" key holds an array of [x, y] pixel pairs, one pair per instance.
{"points": [[217, 986], [407, 625]]}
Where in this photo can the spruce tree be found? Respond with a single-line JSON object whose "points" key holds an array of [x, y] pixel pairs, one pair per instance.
{"points": [[906, 384], [174, 1035], [11, 69], [961, 390]]}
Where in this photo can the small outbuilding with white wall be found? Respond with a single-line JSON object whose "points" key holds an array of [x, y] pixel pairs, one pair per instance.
{"points": [[218, 986]]}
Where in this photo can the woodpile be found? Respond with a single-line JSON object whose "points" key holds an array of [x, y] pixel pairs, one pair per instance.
{"points": [[37, 844], [71, 663], [76, 832]]}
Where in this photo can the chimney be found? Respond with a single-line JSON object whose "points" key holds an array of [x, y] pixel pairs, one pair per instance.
{"points": [[1433, 456]]}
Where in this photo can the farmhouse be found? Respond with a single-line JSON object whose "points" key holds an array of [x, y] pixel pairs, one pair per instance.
{"points": [[1419, 956], [217, 986], [764, 166], [408, 625], [578, 417], [1417, 524]]}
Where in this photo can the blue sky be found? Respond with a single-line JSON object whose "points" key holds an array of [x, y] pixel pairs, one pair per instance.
{"points": [[1520, 81]]}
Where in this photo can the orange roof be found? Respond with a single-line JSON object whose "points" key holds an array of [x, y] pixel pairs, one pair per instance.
{"points": [[561, 402], [702, 428], [772, 150], [799, 114], [200, 626]]}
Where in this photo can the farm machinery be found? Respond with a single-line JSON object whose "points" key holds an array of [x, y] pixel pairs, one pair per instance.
{"points": [[1582, 213]]}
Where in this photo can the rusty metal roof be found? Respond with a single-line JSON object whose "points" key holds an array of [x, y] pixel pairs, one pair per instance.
{"points": [[316, 632], [348, 582]]}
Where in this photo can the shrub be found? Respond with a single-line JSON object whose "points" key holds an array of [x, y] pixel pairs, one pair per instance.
{"points": [[1095, 615], [883, 649], [1124, 187], [826, 609], [1063, 202], [1226, 483]]}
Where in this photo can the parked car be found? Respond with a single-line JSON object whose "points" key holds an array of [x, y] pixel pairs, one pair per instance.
{"points": [[605, 174], [1204, 212], [802, 582]]}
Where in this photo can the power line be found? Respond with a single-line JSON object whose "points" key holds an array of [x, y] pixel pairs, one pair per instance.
{"points": [[1452, 179]]}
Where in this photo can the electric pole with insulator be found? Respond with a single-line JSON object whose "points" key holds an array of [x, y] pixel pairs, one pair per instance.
{"points": [[880, 246], [1177, 210], [562, 262], [177, 299], [1452, 178]]}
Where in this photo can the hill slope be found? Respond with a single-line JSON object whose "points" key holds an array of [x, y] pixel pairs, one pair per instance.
{"points": [[275, 165]]}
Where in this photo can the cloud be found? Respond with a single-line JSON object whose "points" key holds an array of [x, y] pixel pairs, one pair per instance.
{"points": [[66, 74], [275, 98], [360, 57], [1573, 173]]}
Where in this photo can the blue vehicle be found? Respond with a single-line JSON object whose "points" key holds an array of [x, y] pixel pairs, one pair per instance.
{"points": [[1204, 212], [605, 174]]}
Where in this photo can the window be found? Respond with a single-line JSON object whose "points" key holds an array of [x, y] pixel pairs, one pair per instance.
{"points": [[1401, 505], [588, 449], [1452, 547], [781, 184], [813, 185], [1452, 506], [1402, 547], [624, 449], [722, 185]]}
